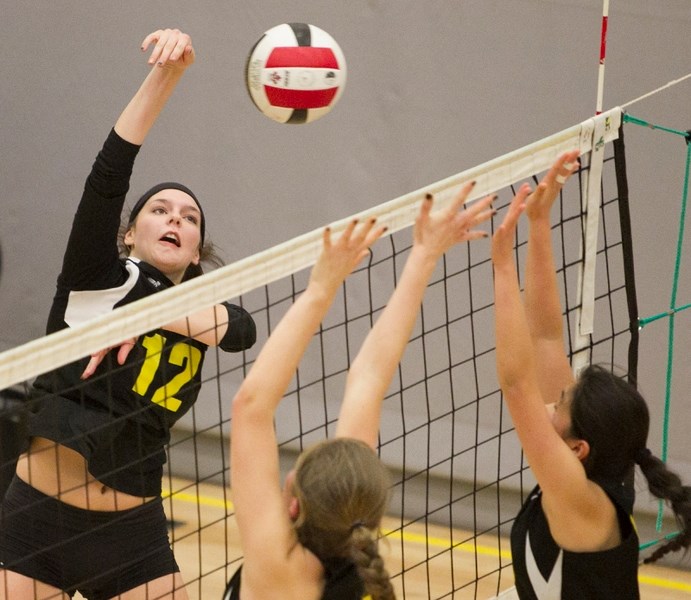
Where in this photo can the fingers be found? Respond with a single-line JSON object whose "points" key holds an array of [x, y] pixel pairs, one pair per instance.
{"points": [[462, 196], [356, 232], [459, 201], [339, 256], [171, 45], [97, 357], [348, 231], [542, 199], [96, 360], [426, 207], [371, 235], [125, 349], [326, 238], [477, 214], [472, 235], [453, 208], [481, 210], [355, 237], [563, 168], [504, 236], [363, 231], [149, 39], [460, 218], [374, 234], [516, 208]]}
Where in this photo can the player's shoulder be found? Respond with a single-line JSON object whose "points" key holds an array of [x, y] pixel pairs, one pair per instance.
{"points": [[299, 575]]}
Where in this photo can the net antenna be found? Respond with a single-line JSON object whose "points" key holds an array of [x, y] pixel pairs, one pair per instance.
{"points": [[603, 53]]}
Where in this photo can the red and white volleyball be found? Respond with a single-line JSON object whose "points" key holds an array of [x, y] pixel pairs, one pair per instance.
{"points": [[295, 73]]}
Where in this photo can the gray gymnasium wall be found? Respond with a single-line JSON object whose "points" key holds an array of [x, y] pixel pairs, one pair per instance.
{"points": [[434, 87]]}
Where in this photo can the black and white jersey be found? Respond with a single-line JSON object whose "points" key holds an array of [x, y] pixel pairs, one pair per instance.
{"points": [[544, 571], [119, 419]]}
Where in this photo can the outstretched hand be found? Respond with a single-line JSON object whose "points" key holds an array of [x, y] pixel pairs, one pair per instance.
{"points": [[339, 257], [539, 203], [171, 54], [438, 231], [505, 235], [172, 48]]}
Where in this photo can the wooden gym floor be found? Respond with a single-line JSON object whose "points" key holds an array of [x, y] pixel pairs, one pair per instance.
{"points": [[205, 541]]}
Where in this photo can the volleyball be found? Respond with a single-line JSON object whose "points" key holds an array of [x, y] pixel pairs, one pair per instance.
{"points": [[295, 73]]}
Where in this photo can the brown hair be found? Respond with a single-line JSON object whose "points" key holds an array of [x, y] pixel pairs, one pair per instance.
{"points": [[343, 491]]}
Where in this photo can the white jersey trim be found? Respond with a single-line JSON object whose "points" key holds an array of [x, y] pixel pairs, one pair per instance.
{"points": [[82, 306], [545, 589]]}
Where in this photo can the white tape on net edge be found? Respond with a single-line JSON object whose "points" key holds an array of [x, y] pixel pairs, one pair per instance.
{"points": [[586, 282]]}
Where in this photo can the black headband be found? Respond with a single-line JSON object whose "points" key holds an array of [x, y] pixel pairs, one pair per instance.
{"points": [[167, 185]]}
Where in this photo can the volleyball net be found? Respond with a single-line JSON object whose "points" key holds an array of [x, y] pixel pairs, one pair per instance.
{"points": [[458, 469]]}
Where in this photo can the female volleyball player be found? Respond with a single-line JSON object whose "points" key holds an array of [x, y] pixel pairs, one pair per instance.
{"points": [[574, 537], [84, 511], [317, 537]]}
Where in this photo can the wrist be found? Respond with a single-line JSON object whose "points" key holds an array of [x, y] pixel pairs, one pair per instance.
{"points": [[166, 74], [424, 258], [504, 266], [320, 293], [540, 222]]}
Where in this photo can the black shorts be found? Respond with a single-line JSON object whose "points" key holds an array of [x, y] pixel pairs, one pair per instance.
{"points": [[97, 553]]}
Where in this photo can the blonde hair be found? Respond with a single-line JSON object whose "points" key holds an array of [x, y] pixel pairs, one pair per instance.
{"points": [[343, 491]]}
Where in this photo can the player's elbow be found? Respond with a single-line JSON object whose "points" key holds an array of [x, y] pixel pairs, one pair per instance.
{"points": [[243, 403], [241, 332]]}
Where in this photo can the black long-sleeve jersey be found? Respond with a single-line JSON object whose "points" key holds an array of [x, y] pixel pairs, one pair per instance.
{"points": [[119, 419]]}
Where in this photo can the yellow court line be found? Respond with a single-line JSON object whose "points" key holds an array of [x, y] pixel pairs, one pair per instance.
{"points": [[469, 547], [203, 500], [668, 584]]}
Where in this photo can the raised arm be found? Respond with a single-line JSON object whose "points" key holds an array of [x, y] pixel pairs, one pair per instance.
{"points": [[265, 529], [171, 55], [91, 257], [542, 301], [515, 353], [373, 368], [577, 510]]}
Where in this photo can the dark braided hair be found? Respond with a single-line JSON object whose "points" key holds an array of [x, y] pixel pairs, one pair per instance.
{"points": [[666, 485], [610, 414]]}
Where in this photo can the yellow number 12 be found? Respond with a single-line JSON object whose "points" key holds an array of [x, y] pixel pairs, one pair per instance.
{"points": [[182, 355]]}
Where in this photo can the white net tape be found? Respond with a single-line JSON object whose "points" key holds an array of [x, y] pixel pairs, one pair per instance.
{"points": [[44, 354]]}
